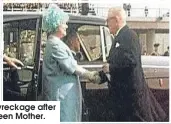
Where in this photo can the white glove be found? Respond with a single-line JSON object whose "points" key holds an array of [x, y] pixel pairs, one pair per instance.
{"points": [[92, 76]]}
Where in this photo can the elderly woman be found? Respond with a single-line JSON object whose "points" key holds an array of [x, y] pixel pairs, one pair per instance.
{"points": [[60, 69]]}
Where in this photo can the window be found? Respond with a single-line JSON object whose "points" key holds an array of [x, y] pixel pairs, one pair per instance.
{"points": [[19, 40], [44, 39], [90, 41], [89, 38], [10, 38], [108, 40]]}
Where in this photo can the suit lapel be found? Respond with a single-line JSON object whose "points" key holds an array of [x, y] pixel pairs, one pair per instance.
{"points": [[115, 41], [112, 48], [122, 31]]}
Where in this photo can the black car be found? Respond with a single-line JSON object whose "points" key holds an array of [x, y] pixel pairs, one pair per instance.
{"points": [[25, 40]]}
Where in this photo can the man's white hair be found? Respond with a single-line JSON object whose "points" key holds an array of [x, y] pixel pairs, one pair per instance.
{"points": [[118, 11]]}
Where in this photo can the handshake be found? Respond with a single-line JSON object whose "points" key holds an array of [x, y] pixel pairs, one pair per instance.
{"points": [[98, 77], [92, 76]]}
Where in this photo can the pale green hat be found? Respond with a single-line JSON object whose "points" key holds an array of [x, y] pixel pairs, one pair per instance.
{"points": [[53, 17]]}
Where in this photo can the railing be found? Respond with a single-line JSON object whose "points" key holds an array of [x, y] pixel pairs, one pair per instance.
{"points": [[137, 12], [36, 7], [75, 8]]}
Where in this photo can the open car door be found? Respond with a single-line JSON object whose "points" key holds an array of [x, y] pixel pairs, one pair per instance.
{"points": [[32, 91]]}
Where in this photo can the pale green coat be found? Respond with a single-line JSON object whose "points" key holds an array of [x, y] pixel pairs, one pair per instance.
{"points": [[59, 81]]}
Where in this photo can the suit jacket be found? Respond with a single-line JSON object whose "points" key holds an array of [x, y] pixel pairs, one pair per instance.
{"points": [[129, 93]]}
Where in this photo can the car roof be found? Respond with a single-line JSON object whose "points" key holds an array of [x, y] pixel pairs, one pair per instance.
{"points": [[12, 16], [155, 61]]}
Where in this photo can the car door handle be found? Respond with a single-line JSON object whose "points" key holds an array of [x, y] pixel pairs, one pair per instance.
{"points": [[161, 82]]}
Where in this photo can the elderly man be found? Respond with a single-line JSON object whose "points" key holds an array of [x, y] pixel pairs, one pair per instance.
{"points": [[131, 99]]}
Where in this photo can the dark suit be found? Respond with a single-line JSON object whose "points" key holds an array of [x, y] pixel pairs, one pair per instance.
{"points": [[131, 99]]}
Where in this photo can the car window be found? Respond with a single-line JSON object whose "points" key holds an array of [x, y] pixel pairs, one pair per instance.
{"points": [[10, 38], [108, 41], [90, 40], [44, 39], [19, 40]]}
